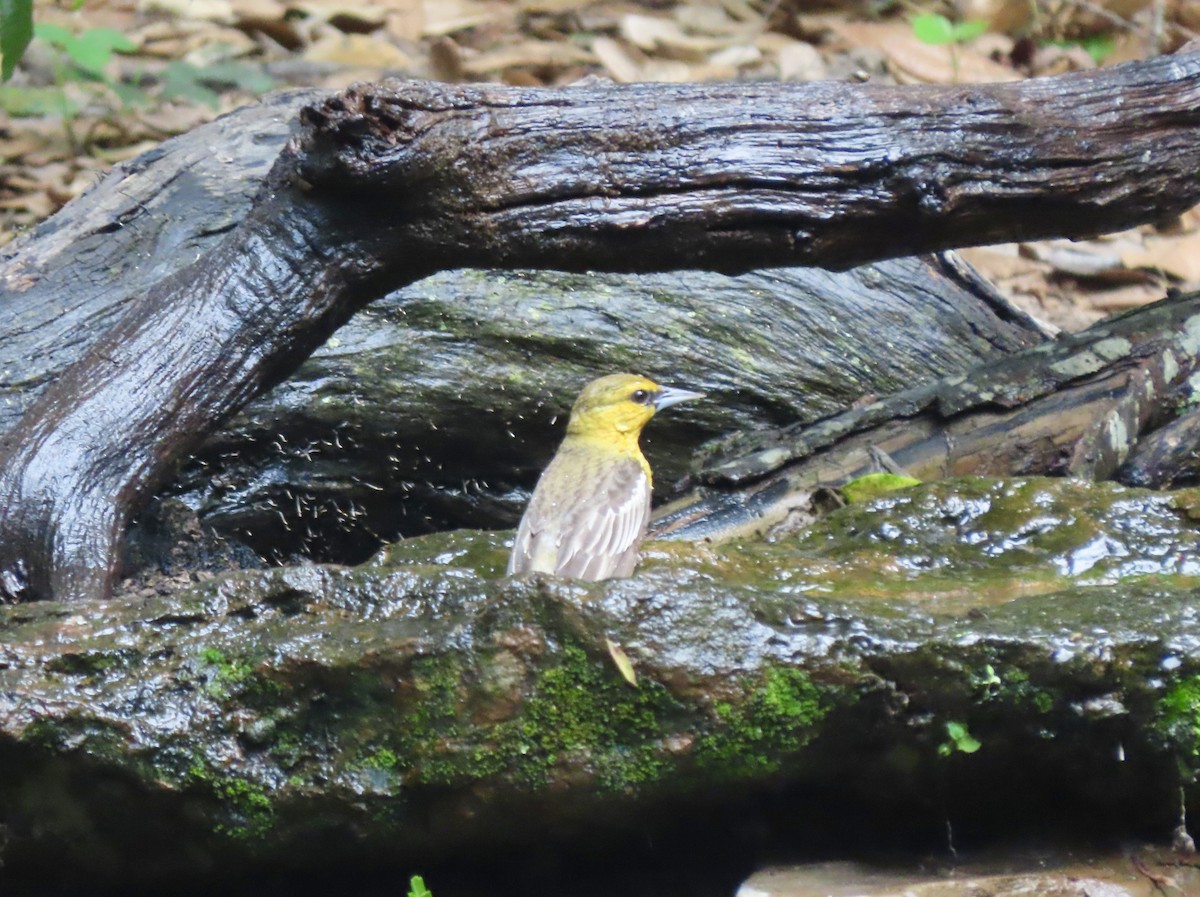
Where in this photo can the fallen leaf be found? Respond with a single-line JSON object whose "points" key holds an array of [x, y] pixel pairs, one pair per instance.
{"points": [[800, 61], [623, 664], [406, 20], [531, 52], [617, 61], [448, 16], [1177, 256], [913, 61], [360, 51], [446, 60], [351, 17], [1126, 297], [207, 10], [736, 57]]}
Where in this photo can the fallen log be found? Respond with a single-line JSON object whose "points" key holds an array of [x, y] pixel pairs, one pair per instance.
{"points": [[387, 183], [1075, 407]]}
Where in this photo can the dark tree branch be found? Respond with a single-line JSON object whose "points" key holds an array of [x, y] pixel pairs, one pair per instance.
{"points": [[1075, 407], [387, 183]]}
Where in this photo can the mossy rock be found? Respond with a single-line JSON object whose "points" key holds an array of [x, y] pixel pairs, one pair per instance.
{"points": [[972, 635]]}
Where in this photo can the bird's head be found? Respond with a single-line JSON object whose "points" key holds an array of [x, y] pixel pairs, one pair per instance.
{"points": [[622, 404]]}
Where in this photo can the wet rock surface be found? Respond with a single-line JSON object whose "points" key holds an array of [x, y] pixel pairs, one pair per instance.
{"points": [[975, 653]]}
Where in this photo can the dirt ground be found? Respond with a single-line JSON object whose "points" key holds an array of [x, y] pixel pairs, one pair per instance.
{"points": [[108, 80]]}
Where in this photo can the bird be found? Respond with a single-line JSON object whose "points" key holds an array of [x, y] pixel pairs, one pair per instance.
{"points": [[589, 511]]}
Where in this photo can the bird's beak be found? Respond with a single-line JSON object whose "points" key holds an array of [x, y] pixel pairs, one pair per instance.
{"points": [[670, 396]]}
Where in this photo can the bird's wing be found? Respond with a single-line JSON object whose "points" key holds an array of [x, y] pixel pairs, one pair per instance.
{"points": [[593, 531], [601, 537]]}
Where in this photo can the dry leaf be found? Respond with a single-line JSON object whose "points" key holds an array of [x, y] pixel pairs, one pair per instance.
{"points": [[742, 10], [800, 61], [1122, 298], [736, 57], [447, 16], [357, 18], [360, 51], [655, 35], [1176, 256], [648, 32], [446, 60], [531, 52], [621, 660], [406, 20], [548, 7], [668, 71], [913, 61], [617, 61], [699, 18], [206, 10]]}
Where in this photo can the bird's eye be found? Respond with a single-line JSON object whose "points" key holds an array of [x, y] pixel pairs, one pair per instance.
{"points": [[640, 396]]}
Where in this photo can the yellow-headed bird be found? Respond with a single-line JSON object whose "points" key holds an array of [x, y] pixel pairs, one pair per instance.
{"points": [[589, 511]]}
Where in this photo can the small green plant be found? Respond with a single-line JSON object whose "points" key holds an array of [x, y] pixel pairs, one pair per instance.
{"points": [[416, 887], [959, 740], [936, 29], [183, 81], [1097, 46], [88, 52], [988, 682], [80, 62]]}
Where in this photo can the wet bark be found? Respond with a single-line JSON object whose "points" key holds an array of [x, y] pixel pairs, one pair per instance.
{"points": [[379, 435], [387, 183], [1076, 407]]}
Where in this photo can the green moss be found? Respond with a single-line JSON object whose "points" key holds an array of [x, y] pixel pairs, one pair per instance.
{"points": [[754, 738], [90, 663], [245, 809], [580, 712], [1179, 721], [227, 676], [382, 759], [584, 706]]}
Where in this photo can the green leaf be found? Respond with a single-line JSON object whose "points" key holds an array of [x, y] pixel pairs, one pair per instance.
{"points": [[53, 34], [110, 38], [180, 83], [969, 30], [24, 101], [933, 28], [16, 30], [129, 94], [92, 50], [872, 485], [237, 74], [1100, 46], [963, 740]]}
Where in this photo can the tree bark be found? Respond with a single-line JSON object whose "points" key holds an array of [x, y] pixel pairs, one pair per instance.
{"points": [[1076, 407], [378, 435], [387, 183]]}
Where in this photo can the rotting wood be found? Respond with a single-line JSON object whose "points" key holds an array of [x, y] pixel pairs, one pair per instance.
{"points": [[387, 183]]}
